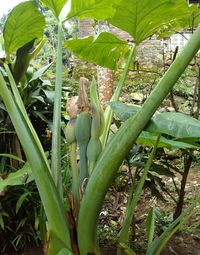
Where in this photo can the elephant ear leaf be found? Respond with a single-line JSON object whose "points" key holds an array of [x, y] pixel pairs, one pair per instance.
{"points": [[95, 9], [175, 124], [142, 19], [54, 5], [105, 50], [24, 24]]}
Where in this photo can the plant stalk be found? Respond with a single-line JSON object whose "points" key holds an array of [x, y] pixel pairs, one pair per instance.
{"points": [[75, 178], [56, 139], [124, 233]]}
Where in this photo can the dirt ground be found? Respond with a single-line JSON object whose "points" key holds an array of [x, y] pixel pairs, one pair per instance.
{"points": [[185, 242]]}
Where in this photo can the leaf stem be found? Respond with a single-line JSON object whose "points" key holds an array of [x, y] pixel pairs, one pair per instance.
{"points": [[124, 233], [56, 139]]}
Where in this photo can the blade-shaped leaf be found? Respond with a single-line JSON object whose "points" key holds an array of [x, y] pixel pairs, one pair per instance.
{"points": [[20, 201], [95, 9], [21, 176], [105, 50], [175, 124], [142, 19], [11, 155], [150, 225], [40, 72], [54, 5], [23, 24]]}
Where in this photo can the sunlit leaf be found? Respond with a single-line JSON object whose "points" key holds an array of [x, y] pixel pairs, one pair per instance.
{"points": [[92, 9], [24, 23], [54, 5], [104, 50], [142, 19]]}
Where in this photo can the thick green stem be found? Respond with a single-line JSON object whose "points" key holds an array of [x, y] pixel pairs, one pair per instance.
{"points": [[124, 233], [109, 113], [56, 157], [83, 162], [118, 148], [75, 177]]}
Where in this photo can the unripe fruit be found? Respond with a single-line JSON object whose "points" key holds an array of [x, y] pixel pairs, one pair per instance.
{"points": [[69, 131], [83, 128], [94, 149]]}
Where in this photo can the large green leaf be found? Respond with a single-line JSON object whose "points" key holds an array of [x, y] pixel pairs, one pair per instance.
{"points": [[54, 5], [175, 124], [21, 176], [104, 50], [95, 9], [142, 19], [189, 21], [148, 139], [24, 23]]}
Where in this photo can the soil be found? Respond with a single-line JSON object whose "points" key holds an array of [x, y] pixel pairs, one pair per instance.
{"points": [[185, 242]]}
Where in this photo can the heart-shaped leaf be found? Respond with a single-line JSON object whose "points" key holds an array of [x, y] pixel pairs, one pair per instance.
{"points": [[105, 50], [95, 9], [142, 19], [24, 23]]}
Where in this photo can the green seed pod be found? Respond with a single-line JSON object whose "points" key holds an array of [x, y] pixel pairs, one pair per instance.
{"points": [[83, 133], [83, 128], [69, 131], [97, 112], [94, 149], [96, 128]]}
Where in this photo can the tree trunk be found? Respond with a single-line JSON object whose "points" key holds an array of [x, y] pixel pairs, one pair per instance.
{"points": [[105, 75]]}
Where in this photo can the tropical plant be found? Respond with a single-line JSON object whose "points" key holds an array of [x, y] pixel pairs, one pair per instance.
{"points": [[69, 232]]}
